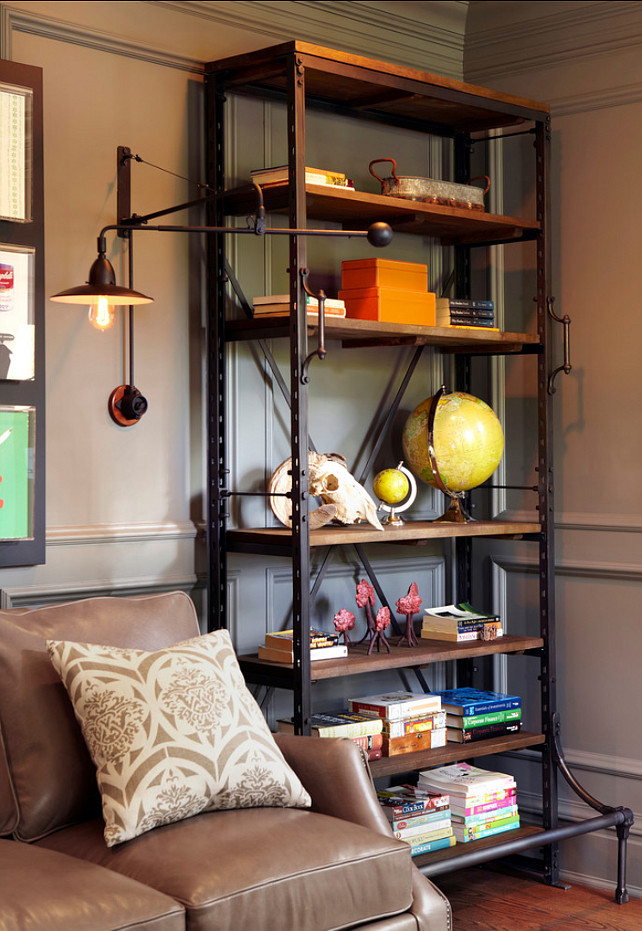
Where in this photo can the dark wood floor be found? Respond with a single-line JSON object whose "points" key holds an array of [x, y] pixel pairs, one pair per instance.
{"points": [[489, 900]]}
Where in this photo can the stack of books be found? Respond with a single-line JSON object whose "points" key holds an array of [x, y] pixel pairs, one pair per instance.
{"points": [[474, 714], [279, 646], [460, 623], [412, 721], [278, 305], [463, 312], [419, 817], [482, 803], [363, 729], [279, 175]]}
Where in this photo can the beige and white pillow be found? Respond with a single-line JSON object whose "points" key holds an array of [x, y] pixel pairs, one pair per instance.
{"points": [[172, 733]]}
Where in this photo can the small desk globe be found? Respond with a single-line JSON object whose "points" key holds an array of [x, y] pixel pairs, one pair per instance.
{"points": [[396, 490], [453, 442], [391, 486]]}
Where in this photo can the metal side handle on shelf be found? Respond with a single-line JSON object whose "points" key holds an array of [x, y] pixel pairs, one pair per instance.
{"points": [[566, 365], [320, 351]]}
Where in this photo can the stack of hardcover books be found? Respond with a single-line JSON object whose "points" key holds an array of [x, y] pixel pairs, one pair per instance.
{"points": [[363, 729], [460, 623], [482, 802], [463, 312], [412, 721], [280, 174], [474, 714], [419, 817], [279, 646], [278, 305]]}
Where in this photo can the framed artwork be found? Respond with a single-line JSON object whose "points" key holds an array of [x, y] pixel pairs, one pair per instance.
{"points": [[17, 359], [15, 152], [17, 472], [22, 318]]}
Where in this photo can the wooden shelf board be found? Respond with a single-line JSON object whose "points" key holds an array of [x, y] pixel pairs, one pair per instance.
{"points": [[358, 209], [354, 332], [452, 752], [486, 843], [350, 81], [411, 532], [358, 662]]}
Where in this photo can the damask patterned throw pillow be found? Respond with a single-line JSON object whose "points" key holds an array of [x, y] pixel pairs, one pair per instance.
{"points": [[172, 733]]}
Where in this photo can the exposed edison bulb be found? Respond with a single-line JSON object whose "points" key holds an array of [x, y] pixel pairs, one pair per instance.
{"points": [[101, 314]]}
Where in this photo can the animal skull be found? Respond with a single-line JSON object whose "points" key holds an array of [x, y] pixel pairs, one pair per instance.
{"points": [[331, 481]]}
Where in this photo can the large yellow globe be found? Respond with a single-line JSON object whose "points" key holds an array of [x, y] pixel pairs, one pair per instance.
{"points": [[468, 441]]}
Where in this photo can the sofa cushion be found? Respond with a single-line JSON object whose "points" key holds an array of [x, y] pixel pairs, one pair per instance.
{"points": [[52, 776], [262, 868], [41, 890], [172, 733]]}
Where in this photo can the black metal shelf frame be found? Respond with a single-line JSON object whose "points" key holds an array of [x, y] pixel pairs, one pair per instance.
{"points": [[289, 64]]}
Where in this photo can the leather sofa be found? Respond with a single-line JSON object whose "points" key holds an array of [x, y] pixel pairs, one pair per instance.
{"points": [[332, 865]]}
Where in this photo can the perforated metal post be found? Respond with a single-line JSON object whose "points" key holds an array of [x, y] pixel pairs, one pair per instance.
{"points": [[299, 395]]}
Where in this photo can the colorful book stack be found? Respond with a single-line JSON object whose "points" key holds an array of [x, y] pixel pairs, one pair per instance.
{"points": [[419, 817], [279, 646], [482, 803], [463, 312], [460, 623], [412, 721], [473, 714], [363, 729]]}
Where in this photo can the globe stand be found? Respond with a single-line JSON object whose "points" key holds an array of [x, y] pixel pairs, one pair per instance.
{"points": [[455, 513]]}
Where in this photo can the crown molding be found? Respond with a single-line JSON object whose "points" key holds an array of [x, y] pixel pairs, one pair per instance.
{"points": [[426, 35], [16, 19], [503, 39]]}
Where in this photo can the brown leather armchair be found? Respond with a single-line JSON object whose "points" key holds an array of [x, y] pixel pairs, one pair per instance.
{"points": [[333, 866]]}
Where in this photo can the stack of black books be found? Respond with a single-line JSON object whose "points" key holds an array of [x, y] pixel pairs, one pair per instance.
{"points": [[464, 312]]}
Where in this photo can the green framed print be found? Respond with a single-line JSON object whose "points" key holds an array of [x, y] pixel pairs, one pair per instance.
{"points": [[17, 472]]}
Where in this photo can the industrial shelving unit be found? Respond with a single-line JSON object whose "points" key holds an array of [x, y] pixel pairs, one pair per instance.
{"points": [[305, 77]]}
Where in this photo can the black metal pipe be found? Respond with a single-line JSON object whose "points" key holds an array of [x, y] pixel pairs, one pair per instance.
{"points": [[541, 839]]}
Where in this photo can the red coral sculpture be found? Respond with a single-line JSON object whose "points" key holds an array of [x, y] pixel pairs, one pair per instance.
{"points": [[343, 622], [409, 605], [366, 599], [381, 622]]}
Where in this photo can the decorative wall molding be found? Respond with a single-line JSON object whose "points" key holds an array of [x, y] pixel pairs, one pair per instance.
{"points": [[37, 595], [101, 534], [511, 43], [615, 571], [426, 35], [602, 523], [14, 19], [607, 765], [584, 521]]}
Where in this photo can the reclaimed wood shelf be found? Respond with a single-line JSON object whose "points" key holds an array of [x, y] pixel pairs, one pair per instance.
{"points": [[356, 210], [453, 753], [273, 539], [357, 662], [379, 90], [360, 333]]}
